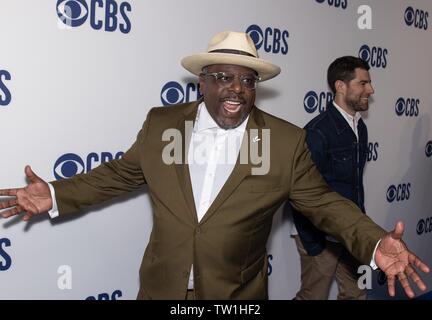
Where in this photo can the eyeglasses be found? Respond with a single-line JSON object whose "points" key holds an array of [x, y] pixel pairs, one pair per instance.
{"points": [[224, 79]]}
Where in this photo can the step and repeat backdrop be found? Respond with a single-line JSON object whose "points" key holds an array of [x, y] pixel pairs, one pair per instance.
{"points": [[77, 78]]}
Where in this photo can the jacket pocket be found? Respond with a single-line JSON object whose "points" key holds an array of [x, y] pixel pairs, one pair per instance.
{"points": [[342, 162], [264, 189]]}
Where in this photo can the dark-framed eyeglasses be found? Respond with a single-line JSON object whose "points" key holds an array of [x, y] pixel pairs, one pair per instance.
{"points": [[226, 79]]}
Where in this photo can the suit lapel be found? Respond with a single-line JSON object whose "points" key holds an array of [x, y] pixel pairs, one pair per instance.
{"points": [[182, 169], [241, 169]]}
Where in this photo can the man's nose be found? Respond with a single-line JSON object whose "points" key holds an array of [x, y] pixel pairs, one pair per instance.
{"points": [[236, 84]]}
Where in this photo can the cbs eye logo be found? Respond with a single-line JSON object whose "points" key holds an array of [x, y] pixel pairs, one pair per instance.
{"points": [[409, 16], [420, 226], [417, 18], [428, 149], [72, 13], [399, 193], [375, 56], [68, 165], [408, 107], [272, 40], [424, 226], [174, 93], [71, 164], [107, 14], [316, 101]]}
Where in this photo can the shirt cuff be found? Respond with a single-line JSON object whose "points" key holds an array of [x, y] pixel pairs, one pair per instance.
{"points": [[372, 263], [53, 213]]}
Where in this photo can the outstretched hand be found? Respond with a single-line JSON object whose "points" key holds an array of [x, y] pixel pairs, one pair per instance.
{"points": [[33, 199], [393, 257]]}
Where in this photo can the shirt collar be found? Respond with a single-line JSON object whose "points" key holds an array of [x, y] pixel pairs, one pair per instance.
{"points": [[204, 120], [346, 115]]}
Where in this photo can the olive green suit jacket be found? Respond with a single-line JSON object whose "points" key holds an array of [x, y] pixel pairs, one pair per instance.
{"points": [[228, 246]]}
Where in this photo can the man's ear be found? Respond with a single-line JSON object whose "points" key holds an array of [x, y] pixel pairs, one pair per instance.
{"points": [[340, 86]]}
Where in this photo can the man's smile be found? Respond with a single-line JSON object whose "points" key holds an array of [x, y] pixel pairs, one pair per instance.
{"points": [[231, 106]]}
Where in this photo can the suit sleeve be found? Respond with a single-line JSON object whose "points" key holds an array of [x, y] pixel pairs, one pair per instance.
{"points": [[105, 182], [327, 210]]}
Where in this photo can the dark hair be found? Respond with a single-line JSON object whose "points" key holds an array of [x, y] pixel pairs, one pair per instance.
{"points": [[343, 68]]}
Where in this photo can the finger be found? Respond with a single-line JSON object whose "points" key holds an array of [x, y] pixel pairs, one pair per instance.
{"points": [[397, 233], [414, 260], [405, 284], [33, 177], [12, 212], [27, 216], [391, 285], [9, 192], [8, 204], [410, 272]]}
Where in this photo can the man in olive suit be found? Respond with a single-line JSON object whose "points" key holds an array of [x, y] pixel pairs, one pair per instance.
{"points": [[210, 230]]}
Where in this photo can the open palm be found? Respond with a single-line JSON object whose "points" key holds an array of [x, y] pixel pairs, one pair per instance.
{"points": [[393, 257], [33, 199]]}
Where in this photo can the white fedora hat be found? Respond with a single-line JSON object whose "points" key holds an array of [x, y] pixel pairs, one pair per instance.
{"points": [[229, 47]]}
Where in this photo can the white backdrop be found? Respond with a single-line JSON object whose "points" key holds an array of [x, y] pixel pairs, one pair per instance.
{"points": [[79, 76]]}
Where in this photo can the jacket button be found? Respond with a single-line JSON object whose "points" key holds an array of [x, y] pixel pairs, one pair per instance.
{"points": [[198, 230]]}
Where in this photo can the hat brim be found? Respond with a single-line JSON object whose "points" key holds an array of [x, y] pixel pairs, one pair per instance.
{"points": [[196, 62]]}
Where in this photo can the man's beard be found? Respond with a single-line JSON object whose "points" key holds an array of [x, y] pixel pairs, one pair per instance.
{"points": [[233, 126], [357, 105]]}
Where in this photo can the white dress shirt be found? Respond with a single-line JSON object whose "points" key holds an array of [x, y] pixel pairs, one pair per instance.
{"points": [[212, 154], [352, 120]]}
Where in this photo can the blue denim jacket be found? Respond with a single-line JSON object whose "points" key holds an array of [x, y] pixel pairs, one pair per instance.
{"points": [[340, 158]]}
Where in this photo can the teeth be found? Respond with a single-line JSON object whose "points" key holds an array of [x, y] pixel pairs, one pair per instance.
{"points": [[232, 106]]}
